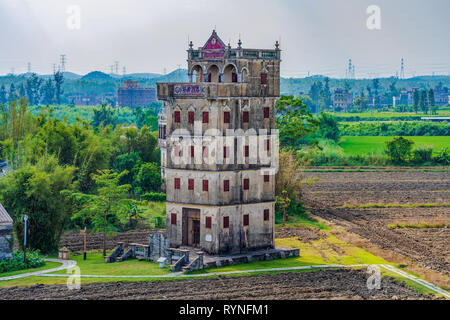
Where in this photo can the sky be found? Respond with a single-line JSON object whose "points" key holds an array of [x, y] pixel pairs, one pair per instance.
{"points": [[316, 36]]}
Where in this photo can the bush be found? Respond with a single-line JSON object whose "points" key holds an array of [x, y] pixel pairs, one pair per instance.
{"points": [[16, 262], [422, 154], [443, 157], [154, 196], [399, 149]]}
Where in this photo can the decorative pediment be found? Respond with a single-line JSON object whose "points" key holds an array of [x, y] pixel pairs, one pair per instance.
{"points": [[214, 42]]}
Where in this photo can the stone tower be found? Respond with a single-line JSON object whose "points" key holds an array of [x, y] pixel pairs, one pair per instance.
{"points": [[219, 148]]}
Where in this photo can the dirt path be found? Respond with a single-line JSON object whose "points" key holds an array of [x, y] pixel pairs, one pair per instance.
{"points": [[329, 284]]}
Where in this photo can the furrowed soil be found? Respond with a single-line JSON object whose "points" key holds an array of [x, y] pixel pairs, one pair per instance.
{"points": [[428, 247], [323, 284]]}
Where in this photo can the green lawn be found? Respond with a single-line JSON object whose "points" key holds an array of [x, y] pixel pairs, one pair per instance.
{"points": [[95, 265], [376, 145], [47, 265]]}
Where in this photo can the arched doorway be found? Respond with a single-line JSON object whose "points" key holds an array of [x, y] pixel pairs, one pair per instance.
{"points": [[213, 74], [230, 73], [197, 74]]}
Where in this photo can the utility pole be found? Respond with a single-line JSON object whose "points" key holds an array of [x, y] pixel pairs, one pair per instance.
{"points": [[84, 233], [25, 219], [402, 69]]}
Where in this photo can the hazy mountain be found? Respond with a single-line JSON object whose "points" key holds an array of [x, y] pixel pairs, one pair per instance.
{"points": [[97, 75]]}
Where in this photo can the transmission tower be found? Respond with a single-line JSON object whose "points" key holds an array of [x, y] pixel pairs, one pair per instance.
{"points": [[402, 69], [350, 70], [111, 68], [62, 63], [116, 66], [124, 70], [29, 67]]}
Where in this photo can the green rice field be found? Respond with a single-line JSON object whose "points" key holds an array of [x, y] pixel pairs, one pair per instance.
{"points": [[376, 145]]}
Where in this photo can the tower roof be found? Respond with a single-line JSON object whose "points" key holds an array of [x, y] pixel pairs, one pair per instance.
{"points": [[214, 42], [4, 216]]}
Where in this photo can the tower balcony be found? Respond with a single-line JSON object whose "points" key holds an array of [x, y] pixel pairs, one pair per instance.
{"points": [[213, 91]]}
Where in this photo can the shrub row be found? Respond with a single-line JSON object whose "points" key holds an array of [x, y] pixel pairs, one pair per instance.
{"points": [[395, 128], [16, 262]]}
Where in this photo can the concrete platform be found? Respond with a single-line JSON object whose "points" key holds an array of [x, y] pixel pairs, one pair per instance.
{"points": [[210, 261]]}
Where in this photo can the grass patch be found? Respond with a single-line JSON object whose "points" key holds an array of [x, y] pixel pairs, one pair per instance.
{"points": [[95, 265], [47, 265], [419, 225], [397, 205], [303, 219]]}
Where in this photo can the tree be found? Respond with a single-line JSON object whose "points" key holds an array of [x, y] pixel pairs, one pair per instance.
{"points": [[294, 121], [12, 92], [32, 88], [3, 98], [35, 190], [104, 116], [48, 92], [416, 101], [423, 101], [58, 77], [399, 149], [148, 178], [329, 127], [104, 208], [431, 101], [326, 94]]}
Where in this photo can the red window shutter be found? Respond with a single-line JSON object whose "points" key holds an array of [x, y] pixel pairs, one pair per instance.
{"points": [[246, 151], [226, 222], [205, 185], [267, 144], [205, 152], [177, 183], [266, 113], [225, 152], [226, 117], [177, 116], [191, 116], [266, 177], [266, 214], [192, 152], [246, 220], [208, 223], [226, 185], [263, 78], [173, 219], [205, 117], [246, 184], [191, 184], [245, 117]]}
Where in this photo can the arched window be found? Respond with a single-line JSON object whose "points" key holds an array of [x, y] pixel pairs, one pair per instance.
{"points": [[197, 74]]}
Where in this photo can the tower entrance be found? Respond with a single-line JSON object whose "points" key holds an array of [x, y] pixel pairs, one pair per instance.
{"points": [[191, 227]]}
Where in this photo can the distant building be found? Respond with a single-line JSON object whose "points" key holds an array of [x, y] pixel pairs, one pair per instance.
{"points": [[132, 96], [81, 99], [342, 99], [6, 229], [441, 97]]}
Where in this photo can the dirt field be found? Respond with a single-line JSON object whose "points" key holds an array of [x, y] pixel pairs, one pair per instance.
{"points": [[329, 284], [428, 247]]}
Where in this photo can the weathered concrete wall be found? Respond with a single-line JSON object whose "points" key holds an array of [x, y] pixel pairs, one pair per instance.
{"points": [[258, 189], [234, 239], [5, 242]]}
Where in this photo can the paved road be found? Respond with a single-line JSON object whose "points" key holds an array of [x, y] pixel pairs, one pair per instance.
{"points": [[66, 264]]}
